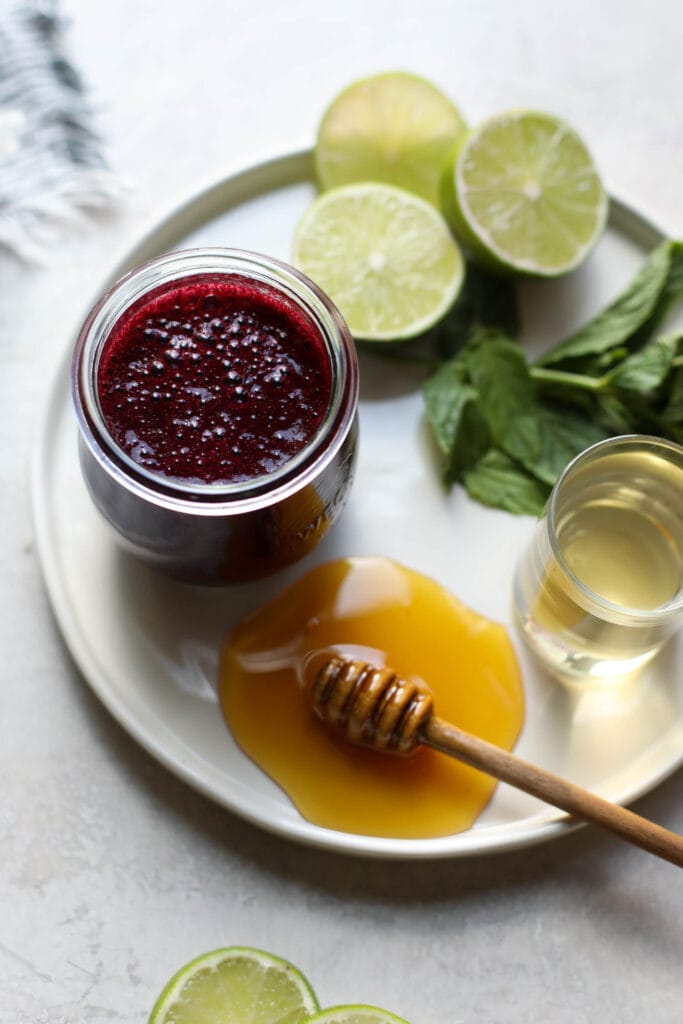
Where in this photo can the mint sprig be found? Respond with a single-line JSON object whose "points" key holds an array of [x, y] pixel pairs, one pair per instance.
{"points": [[506, 428]]}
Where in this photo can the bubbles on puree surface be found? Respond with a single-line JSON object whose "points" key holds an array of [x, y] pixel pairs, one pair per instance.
{"points": [[378, 610], [213, 379]]}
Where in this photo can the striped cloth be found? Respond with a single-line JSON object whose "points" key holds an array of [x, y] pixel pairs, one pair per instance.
{"points": [[50, 160]]}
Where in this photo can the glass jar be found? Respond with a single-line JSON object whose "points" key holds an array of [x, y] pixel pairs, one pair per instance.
{"points": [[599, 589], [224, 531]]}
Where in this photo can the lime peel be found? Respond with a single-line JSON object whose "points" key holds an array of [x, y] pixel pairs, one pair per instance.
{"points": [[356, 1013]]}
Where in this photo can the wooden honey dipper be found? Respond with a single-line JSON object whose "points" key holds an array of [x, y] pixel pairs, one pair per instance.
{"points": [[376, 708]]}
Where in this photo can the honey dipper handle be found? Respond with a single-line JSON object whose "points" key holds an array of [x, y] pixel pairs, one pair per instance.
{"points": [[552, 789]]}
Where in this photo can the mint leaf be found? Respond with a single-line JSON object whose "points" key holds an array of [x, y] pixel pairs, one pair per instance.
{"points": [[648, 368], [445, 394], [672, 290], [499, 482], [470, 443], [486, 300], [453, 413], [563, 433], [673, 410], [616, 416], [499, 372], [654, 287], [540, 436]]}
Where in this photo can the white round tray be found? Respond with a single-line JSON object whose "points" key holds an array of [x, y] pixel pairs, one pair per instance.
{"points": [[148, 647]]}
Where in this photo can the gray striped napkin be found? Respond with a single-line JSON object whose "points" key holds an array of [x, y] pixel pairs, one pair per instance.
{"points": [[51, 165]]}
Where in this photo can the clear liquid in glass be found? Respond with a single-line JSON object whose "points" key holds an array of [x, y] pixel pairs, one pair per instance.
{"points": [[599, 591]]}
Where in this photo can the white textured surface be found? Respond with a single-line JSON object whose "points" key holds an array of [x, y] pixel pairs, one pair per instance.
{"points": [[112, 873]]}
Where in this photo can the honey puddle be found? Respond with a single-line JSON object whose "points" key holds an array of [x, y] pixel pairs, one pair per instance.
{"points": [[378, 610]]}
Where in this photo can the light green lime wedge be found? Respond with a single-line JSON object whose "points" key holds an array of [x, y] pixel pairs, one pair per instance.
{"points": [[394, 127], [524, 195], [236, 985], [356, 1014], [386, 258]]}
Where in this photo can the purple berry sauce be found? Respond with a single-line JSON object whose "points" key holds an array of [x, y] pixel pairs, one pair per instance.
{"points": [[213, 379]]}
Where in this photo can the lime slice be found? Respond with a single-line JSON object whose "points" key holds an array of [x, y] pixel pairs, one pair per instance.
{"points": [[525, 196], [236, 985], [356, 1014], [394, 127], [385, 257]]}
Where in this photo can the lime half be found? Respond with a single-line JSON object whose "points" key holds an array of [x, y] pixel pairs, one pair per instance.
{"points": [[394, 127], [525, 196], [236, 985], [385, 257], [356, 1014]]}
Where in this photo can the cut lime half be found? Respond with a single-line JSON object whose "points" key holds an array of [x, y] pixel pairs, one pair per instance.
{"points": [[236, 985], [393, 127], [524, 195], [356, 1014], [385, 257]]}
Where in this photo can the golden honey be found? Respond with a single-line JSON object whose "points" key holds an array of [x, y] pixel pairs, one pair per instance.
{"points": [[386, 614]]}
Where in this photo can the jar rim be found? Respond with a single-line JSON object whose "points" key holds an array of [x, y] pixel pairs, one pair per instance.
{"points": [[180, 265]]}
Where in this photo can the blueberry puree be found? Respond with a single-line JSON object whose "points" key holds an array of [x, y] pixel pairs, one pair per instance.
{"points": [[213, 379]]}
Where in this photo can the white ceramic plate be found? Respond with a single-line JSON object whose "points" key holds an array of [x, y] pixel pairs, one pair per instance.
{"points": [[148, 647]]}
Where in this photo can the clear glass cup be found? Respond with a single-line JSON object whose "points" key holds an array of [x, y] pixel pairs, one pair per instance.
{"points": [[600, 588], [214, 533]]}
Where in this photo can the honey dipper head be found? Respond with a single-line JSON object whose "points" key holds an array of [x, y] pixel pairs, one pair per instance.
{"points": [[370, 706]]}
